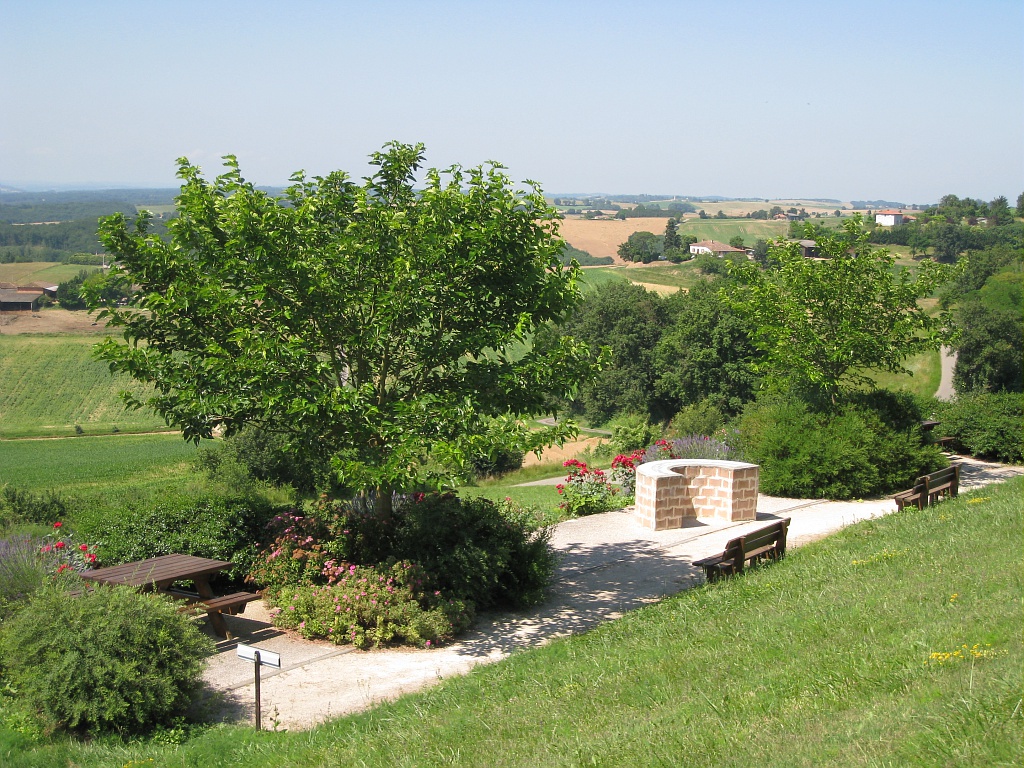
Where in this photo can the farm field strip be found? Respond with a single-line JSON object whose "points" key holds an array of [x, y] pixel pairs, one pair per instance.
{"points": [[82, 464], [40, 271], [49, 384]]}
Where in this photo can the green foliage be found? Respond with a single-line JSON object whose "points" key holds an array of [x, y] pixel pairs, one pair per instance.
{"points": [[628, 320], [672, 240], [631, 432], [372, 607], [821, 323], [111, 659], [864, 447], [588, 491], [986, 425], [583, 258], [700, 418], [476, 550], [990, 352], [69, 293], [19, 506], [643, 247], [262, 454], [706, 352], [377, 321], [205, 525]]}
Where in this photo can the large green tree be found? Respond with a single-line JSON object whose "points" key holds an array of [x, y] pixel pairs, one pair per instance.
{"points": [[822, 324], [380, 326]]}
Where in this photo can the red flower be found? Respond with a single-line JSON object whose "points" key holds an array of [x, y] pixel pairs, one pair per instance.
{"points": [[57, 525], [59, 545], [84, 547], [91, 558], [45, 548], [63, 568]]}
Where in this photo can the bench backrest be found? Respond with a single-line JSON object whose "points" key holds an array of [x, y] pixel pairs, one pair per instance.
{"points": [[942, 475], [737, 549]]}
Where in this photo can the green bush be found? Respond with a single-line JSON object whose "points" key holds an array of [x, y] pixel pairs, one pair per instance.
{"points": [[18, 506], [701, 418], [219, 527], [871, 445], [368, 606], [631, 432], [263, 455], [107, 660], [986, 425], [473, 551]]}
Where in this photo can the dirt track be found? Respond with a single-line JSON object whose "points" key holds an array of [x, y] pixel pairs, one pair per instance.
{"points": [[51, 320]]}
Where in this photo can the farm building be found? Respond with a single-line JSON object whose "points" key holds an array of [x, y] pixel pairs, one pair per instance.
{"points": [[888, 218], [808, 248], [19, 301], [713, 247]]}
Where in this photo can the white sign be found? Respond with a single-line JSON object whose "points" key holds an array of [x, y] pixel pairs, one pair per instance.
{"points": [[267, 658]]}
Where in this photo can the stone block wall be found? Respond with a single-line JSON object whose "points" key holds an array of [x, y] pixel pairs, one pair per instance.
{"points": [[671, 491]]}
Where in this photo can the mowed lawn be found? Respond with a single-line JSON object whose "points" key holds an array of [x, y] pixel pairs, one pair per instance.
{"points": [[50, 383], [895, 642]]}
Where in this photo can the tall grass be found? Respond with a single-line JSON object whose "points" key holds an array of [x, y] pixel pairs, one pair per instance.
{"points": [[835, 656]]}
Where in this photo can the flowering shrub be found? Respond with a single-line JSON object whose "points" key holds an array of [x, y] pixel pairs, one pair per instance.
{"points": [[26, 562], [586, 491], [371, 606], [689, 447], [624, 470], [60, 552]]}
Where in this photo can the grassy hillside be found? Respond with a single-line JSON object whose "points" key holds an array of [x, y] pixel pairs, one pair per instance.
{"points": [[48, 384], [723, 230], [894, 642], [40, 271]]}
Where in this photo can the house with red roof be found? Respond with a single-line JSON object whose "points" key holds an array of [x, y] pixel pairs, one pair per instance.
{"points": [[889, 218]]}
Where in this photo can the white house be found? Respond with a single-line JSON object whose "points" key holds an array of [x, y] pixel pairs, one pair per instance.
{"points": [[710, 246], [888, 218]]}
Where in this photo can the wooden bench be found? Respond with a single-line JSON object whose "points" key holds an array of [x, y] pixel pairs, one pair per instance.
{"points": [[928, 489], [230, 604], [768, 543]]}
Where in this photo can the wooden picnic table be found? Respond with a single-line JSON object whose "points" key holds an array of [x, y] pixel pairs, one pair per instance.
{"points": [[159, 573]]}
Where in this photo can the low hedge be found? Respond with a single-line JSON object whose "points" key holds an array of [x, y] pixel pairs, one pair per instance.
{"points": [[986, 425]]}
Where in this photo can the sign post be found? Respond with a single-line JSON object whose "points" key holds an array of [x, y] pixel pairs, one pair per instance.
{"points": [[259, 658]]}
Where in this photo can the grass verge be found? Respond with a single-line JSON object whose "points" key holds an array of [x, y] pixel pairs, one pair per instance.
{"points": [[846, 653]]}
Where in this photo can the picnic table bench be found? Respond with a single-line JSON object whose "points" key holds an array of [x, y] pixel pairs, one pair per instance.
{"points": [[768, 543], [928, 489], [159, 574]]}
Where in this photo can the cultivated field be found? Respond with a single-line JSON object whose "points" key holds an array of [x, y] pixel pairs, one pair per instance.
{"points": [[51, 272], [77, 466], [49, 384], [51, 320]]}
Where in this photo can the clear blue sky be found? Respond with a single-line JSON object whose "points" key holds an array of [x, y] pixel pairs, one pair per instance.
{"points": [[902, 101]]}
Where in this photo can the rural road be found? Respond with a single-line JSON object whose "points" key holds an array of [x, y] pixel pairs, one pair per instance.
{"points": [[945, 390]]}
